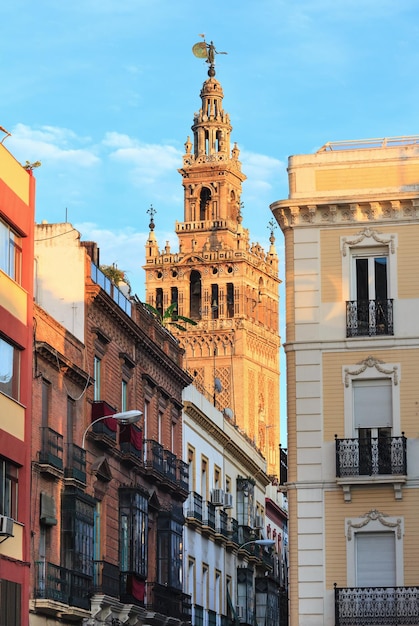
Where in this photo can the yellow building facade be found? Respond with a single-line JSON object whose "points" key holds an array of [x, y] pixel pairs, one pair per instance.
{"points": [[351, 227], [223, 282]]}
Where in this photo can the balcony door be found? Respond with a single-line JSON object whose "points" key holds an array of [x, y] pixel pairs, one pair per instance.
{"points": [[375, 559], [370, 291], [373, 423]]}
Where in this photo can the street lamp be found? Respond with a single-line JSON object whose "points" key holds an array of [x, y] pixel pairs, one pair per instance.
{"points": [[268, 543], [126, 417]]}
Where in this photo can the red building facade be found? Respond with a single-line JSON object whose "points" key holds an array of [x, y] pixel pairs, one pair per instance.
{"points": [[108, 518], [17, 207]]}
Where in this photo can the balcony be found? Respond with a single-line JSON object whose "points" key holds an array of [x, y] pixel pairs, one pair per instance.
{"points": [[283, 466], [103, 432], [183, 473], [153, 457], [131, 442], [369, 318], [61, 585], [105, 579], [168, 601], [76, 463], [381, 459], [51, 453], [208, 517], [376, 606], [194, 507]]}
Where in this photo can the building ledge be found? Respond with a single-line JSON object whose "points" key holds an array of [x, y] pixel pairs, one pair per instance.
{"points": [[354, 481]]}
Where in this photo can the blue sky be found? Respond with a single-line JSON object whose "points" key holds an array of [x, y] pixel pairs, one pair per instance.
{"points": [[103, 92]]}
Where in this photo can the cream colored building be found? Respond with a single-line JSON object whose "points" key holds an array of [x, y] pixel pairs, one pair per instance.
{"points": [[226, 284], [351, 227]]}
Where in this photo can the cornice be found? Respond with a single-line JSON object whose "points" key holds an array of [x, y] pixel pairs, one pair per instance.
{"points": [[226, 442], [140, 336], [62, 363], [346, 212]]}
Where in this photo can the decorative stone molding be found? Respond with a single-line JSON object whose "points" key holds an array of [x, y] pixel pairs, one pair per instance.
{"points": [[367, 233], [374, 515], [371, 361]]}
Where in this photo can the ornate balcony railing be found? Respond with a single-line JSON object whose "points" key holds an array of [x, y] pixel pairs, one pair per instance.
{"points": [[377, 456], [369, 318], [51, 452], [376, 606], [169, 465]]}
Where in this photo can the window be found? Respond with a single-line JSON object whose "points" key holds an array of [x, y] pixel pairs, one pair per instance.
{"points": [[195, 295], [230, 300], [9, 369], [46, 390], [8, 488], [169, 550], [374, 547], [124, 395], [375, 559], [191, 468], [10, 252], [204, 478], [174, 297], [159, 300], [373, 422], [369, 277], [10, 602], [133, 513], [96, 373], [78, 531], [214, 302]]}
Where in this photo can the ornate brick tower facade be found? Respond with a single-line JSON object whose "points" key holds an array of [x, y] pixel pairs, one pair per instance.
{"points": [[223, 282]]}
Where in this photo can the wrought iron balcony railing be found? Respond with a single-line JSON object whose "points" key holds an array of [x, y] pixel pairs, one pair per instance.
{"points": [[76, 463], [194, 506], [369, 318], [167, 601], [105, 579], [377, 456], [62, 585], [153, 455], [183, 473], [51, 452], [376, 606]]}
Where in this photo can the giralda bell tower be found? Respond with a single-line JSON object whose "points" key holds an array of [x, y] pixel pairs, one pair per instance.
{"points": [[227, 285]]}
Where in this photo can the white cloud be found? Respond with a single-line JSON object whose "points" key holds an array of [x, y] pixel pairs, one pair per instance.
{"points": [[51, 144], [147, 162]]}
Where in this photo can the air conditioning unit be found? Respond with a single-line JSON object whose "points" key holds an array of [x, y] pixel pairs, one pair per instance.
{"points": [[258, 521], [240, 612], [217, 497], [228, 500], [6, 526]]}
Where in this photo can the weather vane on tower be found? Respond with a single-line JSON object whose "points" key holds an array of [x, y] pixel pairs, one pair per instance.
{"points": [[207, 51]]}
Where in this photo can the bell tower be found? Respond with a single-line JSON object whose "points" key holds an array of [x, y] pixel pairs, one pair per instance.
{"points": [[227, 285]]}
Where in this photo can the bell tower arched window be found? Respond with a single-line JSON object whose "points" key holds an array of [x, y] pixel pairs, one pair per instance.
{"points": [[205, 198], [195, 295]]}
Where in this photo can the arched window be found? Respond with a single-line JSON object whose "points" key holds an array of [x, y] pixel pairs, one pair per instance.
{"points": [[205, 198], [195, 295]]}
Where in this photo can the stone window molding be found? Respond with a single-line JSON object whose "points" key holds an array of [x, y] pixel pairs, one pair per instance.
{"points": [[372, 522], [368, 369]]}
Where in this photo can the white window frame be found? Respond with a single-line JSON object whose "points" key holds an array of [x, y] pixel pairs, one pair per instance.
{"points": [[372, 522], [371, 243], [370, 368]]}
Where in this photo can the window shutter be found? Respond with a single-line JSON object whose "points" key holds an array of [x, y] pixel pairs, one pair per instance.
{"points": [[375, 559], [373, 403]]}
